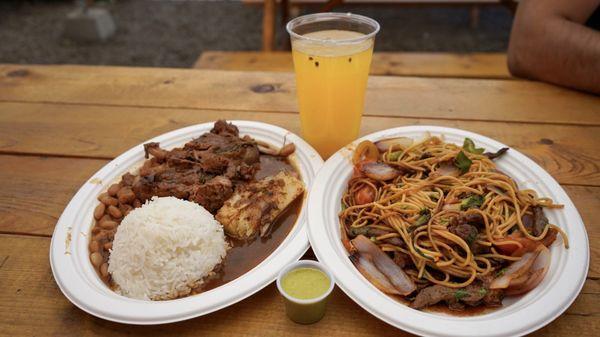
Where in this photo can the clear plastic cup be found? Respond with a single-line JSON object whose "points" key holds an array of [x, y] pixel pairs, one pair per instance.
{"points": [[332, 56]]}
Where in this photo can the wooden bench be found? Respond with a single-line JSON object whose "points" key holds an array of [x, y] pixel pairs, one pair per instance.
{"points": [[478, 65], [270, 7]]}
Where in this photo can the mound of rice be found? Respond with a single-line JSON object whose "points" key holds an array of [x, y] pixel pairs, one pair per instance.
{"points": [[165, 248]]}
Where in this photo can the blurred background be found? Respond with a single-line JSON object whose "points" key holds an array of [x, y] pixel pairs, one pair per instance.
{"points": [[174, 33]]}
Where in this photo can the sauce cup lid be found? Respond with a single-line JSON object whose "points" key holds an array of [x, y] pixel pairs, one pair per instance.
{"points": [[305, 264]]}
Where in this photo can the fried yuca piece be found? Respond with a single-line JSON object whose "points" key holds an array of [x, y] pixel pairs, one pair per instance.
{"points": [[255, 206]]}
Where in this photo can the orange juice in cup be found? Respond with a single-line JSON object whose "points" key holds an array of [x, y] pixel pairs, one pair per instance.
{"points": [[332, 55]]}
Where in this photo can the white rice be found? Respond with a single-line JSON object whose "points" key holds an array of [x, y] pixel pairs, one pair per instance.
{"points": [[165, 248]]}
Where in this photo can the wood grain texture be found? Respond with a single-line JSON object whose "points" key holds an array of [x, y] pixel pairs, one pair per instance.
{"points": [[31, 304], [474, 65], [37, 189], [569, 153], [496, 100]]}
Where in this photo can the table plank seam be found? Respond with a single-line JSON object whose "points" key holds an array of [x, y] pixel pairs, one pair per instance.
{"points": [[16, 233], [512, 121]]}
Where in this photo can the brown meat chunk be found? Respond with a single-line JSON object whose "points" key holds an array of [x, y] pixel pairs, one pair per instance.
{"points": [[221, 127], [213, 193], [204, 170]]}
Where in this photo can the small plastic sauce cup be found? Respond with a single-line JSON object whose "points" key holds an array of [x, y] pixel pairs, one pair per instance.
{"points": [[305, 311]]}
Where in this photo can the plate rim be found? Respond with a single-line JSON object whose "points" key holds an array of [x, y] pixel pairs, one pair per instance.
{"points": [[63, 255], [420, 323]]}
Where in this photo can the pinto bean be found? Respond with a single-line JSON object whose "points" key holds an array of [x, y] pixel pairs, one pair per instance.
{"points": [[105, 217], [109, 201], [113, 190], [96, 259], [108, 245], [94, 246], [126, 195], [102, 196], [125, 208], [104, 269], [108, 224], [114, 212], [99, 211], [137, 203]]}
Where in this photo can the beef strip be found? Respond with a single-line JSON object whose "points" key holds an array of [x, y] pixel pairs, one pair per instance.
{"points": [[493, 297], [471, 295]]}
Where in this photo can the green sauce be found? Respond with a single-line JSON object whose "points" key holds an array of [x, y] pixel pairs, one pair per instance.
{"points": [[305, 283]]}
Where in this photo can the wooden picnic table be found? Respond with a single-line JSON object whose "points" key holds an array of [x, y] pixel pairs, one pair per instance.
{"points": [[59, 124]]}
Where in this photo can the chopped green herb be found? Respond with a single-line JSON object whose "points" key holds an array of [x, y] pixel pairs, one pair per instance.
{"points": [[423, 219], [501, 272], [462, 162], [344, 206], [394, 155], [474, 201], [460, 293], [482, 291], [469, 146], [373, 239]]}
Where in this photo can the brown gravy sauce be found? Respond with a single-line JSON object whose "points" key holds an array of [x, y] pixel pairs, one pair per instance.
{"points": [[245, 255]]}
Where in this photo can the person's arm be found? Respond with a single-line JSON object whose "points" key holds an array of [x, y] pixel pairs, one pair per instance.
{"points": [[549, 42]]}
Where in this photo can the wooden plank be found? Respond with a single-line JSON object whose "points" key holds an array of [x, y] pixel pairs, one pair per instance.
{"points": [[497, 100], [31, 304], [569, 153], [37, 189], [475, 65]]}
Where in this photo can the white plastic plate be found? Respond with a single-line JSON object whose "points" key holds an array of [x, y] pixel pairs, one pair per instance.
{"points": [[519, 315], [80, 283]]}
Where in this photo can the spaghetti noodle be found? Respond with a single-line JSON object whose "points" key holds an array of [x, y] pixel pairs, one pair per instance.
{"points": [[444, 213]]}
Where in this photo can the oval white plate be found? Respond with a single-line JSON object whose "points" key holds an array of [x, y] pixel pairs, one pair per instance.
{"points": [[82, 286], [519, 315]]}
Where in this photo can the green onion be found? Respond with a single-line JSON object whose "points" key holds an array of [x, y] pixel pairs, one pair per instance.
{"points": [[482, 291], [469, 146], [474, 201], [462, 162]]}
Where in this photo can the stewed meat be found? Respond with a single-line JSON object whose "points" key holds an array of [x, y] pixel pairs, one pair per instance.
{"points": [[205, 170]]}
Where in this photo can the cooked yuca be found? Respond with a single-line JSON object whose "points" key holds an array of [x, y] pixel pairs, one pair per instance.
{"points": [[165, 248]]}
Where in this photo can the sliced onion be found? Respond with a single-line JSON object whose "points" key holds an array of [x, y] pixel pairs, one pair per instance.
{"points": [[394, 143], [384, 264], [378, 171], [515, 270], [365, 151], [540, 268], [446, 169], [371, 273]]}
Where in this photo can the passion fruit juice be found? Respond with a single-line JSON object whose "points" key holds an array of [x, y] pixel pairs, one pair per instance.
{"points": [[331, 81]]}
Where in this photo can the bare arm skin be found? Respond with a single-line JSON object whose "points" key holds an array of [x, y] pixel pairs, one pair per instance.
{"points": [[549, 42]]}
